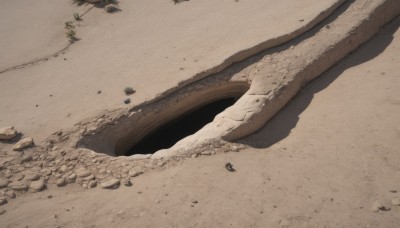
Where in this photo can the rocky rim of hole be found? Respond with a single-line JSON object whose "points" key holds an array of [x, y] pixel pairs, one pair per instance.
{"points": [[267, 79]]}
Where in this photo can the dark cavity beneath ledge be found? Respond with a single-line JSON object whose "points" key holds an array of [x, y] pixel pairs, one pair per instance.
{"points": [[170, 133]]}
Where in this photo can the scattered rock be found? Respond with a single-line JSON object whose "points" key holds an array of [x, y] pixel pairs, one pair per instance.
{"points": [[229, 167], [2, 211], [127, 101], [93, 1], [84, 173], [195, 201], [396, 201], [7, 133], [206, 153], [92, 184], [74, 157], [3, 200], [377, 206], [18, 186], [161, 163], [46, 172], [64, 169], [61, 182], [111, 183], [32, 176], [135, 173], [23, 144], [89, 178], [71, 178], [11, 194], [128, 183], [3, 183], [37, 186], [20, 177], [98, 92], [110, 9], [129, 90]]}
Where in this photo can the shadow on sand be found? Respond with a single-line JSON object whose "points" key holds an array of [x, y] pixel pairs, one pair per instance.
{"points": [[280, 126]]}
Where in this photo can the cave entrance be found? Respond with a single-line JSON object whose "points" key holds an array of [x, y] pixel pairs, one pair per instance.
{"points": [[170, 133]]}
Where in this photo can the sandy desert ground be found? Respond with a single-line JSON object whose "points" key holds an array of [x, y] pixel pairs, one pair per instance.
{"points": [[327, 159]]}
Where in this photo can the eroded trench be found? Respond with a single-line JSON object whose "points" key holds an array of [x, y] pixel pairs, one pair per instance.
{"points": [[161, 124]]}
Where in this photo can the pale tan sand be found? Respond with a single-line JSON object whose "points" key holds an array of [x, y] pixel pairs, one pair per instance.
{"points": [[322, 162], [151, 46], [33, 29]]}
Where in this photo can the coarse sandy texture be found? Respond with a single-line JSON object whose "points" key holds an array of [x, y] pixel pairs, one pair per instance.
{"points": [[321, 162], [149, 45]]}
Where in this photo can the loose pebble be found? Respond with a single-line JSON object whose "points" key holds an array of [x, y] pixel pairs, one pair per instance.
{"points": [[26, 158], [23, 144], [110, 183], [3, 183], [37, 186], [128, 183], [18, 186], [129, 90], [7, 133], [61, 182], [84, 173]]}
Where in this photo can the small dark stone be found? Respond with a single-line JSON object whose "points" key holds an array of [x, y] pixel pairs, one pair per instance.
{"points": [[195, 201], [393, 191], [127, 183], [110, 8], [127, 101], [98, 92], [129, 90], [384, 208], [229, 167]]}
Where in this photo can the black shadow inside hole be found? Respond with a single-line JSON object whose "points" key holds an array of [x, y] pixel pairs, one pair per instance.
{"points": [[169, 134]]}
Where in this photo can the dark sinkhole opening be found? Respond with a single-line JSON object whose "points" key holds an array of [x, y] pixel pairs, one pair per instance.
{"points": [[170, 133]]}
